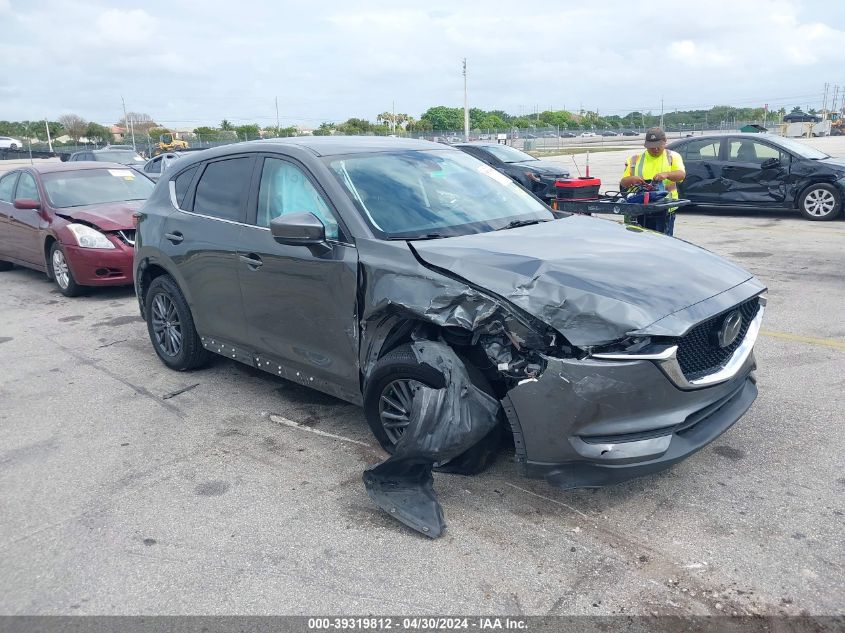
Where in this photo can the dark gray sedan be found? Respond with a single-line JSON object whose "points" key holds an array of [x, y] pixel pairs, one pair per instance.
{"points": [[538, 176], [762, 171], [415, 280]]}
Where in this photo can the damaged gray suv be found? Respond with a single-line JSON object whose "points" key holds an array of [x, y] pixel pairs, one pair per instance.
{"points": [[412, 279]]}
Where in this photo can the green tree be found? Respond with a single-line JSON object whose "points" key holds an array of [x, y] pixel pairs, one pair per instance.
{"points": [[325, 129], [443, 118], [247, 132], [226, 126], [279, 132], [98, 134], [206, 131], [156, 132]]}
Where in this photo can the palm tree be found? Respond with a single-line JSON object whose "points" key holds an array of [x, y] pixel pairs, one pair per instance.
{"points": [[226, 126]]}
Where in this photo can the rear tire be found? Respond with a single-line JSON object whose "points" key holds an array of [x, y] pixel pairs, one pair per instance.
{"points": [[171, 326], [401, 366], [820, 202], [62, 274]]}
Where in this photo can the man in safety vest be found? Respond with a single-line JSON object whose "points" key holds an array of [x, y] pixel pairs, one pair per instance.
{"points": [[656, 164]]}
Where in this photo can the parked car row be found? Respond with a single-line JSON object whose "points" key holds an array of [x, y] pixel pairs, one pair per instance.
{"points": [[383, 270]]}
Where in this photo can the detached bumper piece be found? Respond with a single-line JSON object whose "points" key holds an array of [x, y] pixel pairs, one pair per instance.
{"points": [[444, 423]]}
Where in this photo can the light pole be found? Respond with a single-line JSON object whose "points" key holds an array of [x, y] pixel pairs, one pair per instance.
{"points": [[466, 104]]}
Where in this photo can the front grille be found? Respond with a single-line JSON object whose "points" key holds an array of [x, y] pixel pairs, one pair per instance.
{"points": [[127, 236], [699, 353]]}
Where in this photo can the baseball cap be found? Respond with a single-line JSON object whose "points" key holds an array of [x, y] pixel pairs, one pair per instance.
{"points": [[654, 137]]}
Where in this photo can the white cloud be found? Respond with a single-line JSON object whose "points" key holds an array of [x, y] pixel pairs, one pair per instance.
{"points": [[329, 61], [133, 27]]}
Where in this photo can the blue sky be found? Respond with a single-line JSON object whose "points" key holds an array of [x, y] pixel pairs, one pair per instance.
{"points": [[194, 62]]}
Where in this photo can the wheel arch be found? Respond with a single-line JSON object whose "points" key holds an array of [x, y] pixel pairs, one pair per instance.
{"points": [[46, 247], [815, 180], [146, 271]]}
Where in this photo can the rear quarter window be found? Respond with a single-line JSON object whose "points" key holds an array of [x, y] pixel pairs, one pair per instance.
{"points": [[181, 184]]}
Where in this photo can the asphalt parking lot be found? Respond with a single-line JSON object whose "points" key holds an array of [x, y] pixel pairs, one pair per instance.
{"points": [[126, 488]]}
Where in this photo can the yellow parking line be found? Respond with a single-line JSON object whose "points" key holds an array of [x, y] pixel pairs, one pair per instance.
{"points": [[826, 342]]}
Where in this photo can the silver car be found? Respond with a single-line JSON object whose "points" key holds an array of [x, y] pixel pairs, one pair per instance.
{"points": [[156, 166]]}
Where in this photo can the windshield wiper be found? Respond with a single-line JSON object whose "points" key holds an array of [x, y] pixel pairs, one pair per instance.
{"points": [[515, 223], [427, 236]]}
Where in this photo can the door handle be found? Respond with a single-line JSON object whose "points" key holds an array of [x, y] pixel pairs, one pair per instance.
{"points": [[252, 260], [174, 237]]}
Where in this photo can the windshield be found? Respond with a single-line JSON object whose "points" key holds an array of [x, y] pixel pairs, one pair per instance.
{"points": [[119, 156], [428, 194], [508, 154], [95, 186], [804, 151]]}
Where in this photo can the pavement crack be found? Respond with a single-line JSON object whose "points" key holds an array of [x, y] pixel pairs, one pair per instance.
{"points": [[173, 394]]}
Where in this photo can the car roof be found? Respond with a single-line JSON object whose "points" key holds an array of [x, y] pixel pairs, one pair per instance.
{"points": [[49, 168], [748, 135]]}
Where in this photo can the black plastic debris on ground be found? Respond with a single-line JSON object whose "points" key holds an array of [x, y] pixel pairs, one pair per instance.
{"points": [[444, 423]]}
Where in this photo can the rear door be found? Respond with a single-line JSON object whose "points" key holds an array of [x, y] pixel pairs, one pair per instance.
{"points": [[202, 240], [25, 225], [745, 181], [703, 166], [300, 304], [7, 194]]}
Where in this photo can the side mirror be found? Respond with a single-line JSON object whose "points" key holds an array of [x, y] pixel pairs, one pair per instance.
{"points": [[770, 163], [298, 229], [27, 203]]}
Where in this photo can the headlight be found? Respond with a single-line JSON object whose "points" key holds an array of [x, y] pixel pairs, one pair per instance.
{"points": [[87, 237]]}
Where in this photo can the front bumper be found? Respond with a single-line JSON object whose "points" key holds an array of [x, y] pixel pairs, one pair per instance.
{"points": [[590, 423], [99, 266]]}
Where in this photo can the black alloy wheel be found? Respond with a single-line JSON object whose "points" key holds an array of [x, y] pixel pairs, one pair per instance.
{"points": [[166, 325], [171, 326], [395, 404]]}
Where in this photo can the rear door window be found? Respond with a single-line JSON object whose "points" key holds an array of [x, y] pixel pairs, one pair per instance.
{"points": [[223, 188], [750, 151]]}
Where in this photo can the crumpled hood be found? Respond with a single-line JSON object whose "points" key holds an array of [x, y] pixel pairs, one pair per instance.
{"points": [[112, 216], [591, 279]]}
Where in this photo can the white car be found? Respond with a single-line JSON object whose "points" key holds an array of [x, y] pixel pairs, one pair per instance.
{"points": [[588, 134], [7, 142]]}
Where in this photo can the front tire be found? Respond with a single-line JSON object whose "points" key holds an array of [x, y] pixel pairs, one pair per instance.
{"points": [[820, 202], [171, 326], [61, 273], [388, 398]]}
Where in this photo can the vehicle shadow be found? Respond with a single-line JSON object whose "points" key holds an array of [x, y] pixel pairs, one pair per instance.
{"points": [[92, 293]]}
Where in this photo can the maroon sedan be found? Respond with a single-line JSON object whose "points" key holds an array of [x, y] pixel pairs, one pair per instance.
{"points": [[72, 221]]}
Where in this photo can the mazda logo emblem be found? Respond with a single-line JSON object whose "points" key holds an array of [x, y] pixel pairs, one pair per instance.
{"points": [[730, 329]]}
